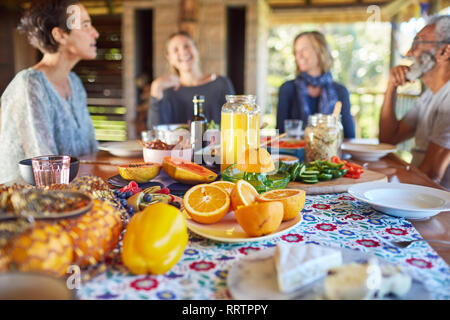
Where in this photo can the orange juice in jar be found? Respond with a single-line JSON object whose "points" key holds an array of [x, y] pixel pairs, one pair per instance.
{"points": [[240, 122]]}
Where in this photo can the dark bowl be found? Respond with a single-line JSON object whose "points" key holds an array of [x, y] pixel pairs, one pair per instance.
{"points": [[26, 170]]}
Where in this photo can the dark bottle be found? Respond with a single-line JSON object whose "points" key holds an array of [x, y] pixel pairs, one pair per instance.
{"points": [[198, 128]]}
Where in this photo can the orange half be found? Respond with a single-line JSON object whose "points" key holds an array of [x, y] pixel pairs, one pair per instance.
{"points": [[243, 194], [206, 203], [293, 200], [225, 185], [260, 218]]}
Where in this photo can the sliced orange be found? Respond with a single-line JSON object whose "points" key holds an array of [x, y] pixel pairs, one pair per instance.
{"points": [[206, 203], [256, 160], [260, 218], [243, 194], [225, 185], [293, 200]]}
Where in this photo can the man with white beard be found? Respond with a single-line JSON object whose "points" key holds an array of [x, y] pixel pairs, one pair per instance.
{"points": [[429, 119]]}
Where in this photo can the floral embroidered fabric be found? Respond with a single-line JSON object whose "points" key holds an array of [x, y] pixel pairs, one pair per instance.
{"points": [[333, 220]]}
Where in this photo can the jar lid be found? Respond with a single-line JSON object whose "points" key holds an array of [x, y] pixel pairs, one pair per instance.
{"points": [[320, 118], [241, 103], [240, 97]]}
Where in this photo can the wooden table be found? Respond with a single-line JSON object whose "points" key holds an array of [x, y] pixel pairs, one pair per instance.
{"points": [[437, 227]]}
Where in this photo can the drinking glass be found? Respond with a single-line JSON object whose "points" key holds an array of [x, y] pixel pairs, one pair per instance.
{"points": [[50, 170], [293, 128], [148, 135]]}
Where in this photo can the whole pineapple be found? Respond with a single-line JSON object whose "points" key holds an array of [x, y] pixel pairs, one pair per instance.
{"points": [[45, 248]]}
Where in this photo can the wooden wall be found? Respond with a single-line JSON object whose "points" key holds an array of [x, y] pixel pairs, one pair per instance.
{"points": [[102, 79]]}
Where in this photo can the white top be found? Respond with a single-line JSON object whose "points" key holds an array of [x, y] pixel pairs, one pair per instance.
{"points": [[430, 118]]}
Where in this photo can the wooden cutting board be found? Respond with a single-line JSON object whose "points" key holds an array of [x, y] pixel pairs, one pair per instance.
{"points": [[338, 185]]}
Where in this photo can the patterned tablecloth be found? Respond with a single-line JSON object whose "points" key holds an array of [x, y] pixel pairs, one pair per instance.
{"points": [[333, 220]]}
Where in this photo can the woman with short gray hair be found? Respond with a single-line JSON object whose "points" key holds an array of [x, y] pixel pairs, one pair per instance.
{"points": [[44, 108]]}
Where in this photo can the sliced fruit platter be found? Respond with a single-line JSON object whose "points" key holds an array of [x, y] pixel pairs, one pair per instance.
{"points": [[180, 170], [236, 212], [134, 199]]}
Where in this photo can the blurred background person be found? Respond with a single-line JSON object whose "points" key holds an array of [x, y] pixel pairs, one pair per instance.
{"points": [[313, 90], [171, 94], [428, 121], [44, 108]]}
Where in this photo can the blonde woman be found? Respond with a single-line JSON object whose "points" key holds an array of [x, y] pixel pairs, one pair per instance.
{"points": [[171, 94], [313, 90]]}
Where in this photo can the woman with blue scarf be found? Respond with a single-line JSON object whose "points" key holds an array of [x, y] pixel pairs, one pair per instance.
{"points": [[313, 91]]}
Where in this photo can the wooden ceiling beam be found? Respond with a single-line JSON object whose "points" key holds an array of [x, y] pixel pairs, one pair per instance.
{"points": [[389, 10], [319, 15], [296, 4], [356, 12]]}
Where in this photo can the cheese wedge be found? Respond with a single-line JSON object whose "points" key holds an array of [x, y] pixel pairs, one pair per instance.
{"points": [[298, 265], [348, 282], [394, 281], [356, 281]]}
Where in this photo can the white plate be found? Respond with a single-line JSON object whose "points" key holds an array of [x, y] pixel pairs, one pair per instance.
{"points": [[402, 200], [229, 230], [254, 277], [367, 152], [130, 148]]}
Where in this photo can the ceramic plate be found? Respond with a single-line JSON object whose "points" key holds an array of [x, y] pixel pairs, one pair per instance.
{"points": [[229, 230], [130, 148], [402, 200], [367, 152], [33, 286], [254, 277]]}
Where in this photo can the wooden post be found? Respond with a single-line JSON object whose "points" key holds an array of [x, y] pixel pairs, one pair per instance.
{"points": [[435, 7], [394, 33], [188, 20]]}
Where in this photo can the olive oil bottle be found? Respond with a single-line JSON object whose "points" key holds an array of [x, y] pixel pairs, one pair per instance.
{"points": [[198, 128]]}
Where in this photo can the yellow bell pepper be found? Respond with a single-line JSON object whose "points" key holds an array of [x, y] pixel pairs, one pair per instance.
{"points": [[154, 240]]}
